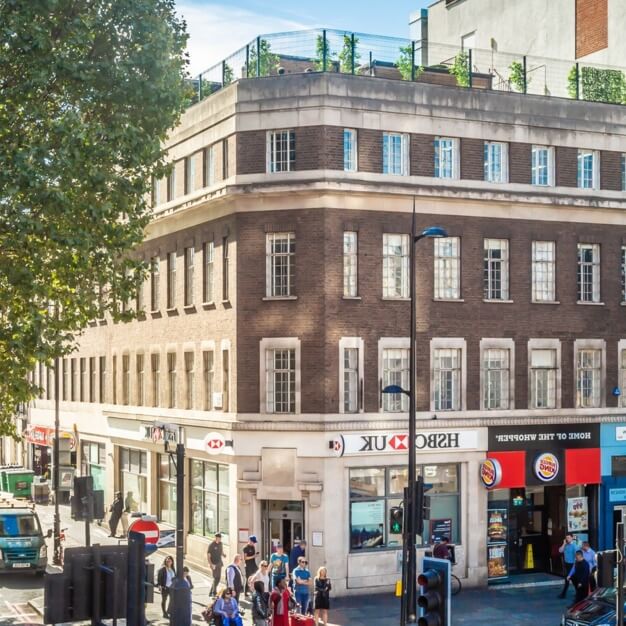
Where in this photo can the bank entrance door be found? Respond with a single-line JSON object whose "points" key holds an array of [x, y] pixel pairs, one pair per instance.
{"points": [[282, 521]]}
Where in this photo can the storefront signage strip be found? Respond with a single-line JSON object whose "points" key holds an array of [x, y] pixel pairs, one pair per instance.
{"points": [[544, 436], [398, 442]]}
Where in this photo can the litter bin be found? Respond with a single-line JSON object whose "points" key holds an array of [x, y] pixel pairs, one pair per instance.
{"points": [[40, 492]]}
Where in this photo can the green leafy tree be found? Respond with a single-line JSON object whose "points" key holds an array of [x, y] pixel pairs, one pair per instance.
{"points": [[268, 60], [404, 63], [516, 76], [460, 69], [89, 90], [345, 55], [320, 47]]}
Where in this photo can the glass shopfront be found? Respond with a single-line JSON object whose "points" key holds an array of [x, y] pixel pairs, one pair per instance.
{"points": [[134, 476], [167, 489], [374, 490], [210, 501], [93, 463]]}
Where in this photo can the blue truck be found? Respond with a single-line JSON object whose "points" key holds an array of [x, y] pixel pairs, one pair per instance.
{"points": [[22, 542]]}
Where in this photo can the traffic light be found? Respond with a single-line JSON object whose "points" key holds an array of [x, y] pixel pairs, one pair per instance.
{"points": [[396, 515], [422, 504], [434, 596]]}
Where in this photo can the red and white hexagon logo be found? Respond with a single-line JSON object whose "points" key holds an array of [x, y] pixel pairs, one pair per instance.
{"points": [[214, 443], [399, 442]]}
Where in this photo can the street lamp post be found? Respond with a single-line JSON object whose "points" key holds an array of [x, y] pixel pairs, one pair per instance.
{"points": [[56, 557], [409, 562]]}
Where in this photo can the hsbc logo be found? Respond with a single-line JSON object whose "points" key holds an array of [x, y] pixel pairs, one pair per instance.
{"points": [[359, 444], [214, 443]]}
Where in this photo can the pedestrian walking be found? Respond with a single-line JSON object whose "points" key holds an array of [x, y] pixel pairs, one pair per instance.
{"points": [[187, 577], [261, 574], [260, 604], [579, 575], [227, 608], [568, 550], [590, 556], [165, 578], [249, 557], [321, 603], [302, 582], [129, 506], [442, 549], [215, 554], [279, 601], [116, 509], [279, 565], [234, 578], [296, 553]]}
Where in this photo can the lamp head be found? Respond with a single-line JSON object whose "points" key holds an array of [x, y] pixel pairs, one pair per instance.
{"points": [[392, 389], [434, 232]]}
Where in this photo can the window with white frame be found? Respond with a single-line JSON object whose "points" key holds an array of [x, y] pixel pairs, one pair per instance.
{"points": [[280, 371], [154, 283], [622, 374], [350, 264], [396, 154], [496, 162], [447, 379], [208, 271], [588, 169], [543, 271], [189, 271], [447, 268], [190, 166], [396, 255], [280, 255], [588, 377], [281, 151], [542, 166], [588, 275], [496, 378], [209, 166], [155, 379], [623, 273], [189, 379], [446, 157], [349, 150], [140, 376], [125, 379], [208, 375], [171, 379], [395, 364], [171, 184], [496, 269], [351, 380], [171, 280], [543, 370], [156, 191], [623, 170]]}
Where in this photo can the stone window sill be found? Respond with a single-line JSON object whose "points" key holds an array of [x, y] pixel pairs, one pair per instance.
{"points": [[396, 299], [448, 299], [355, 298], [590, 303], [497, 301], [208, 305], [272, 298], [545, 302]]}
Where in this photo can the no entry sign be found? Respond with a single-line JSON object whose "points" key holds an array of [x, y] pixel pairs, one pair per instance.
{"points": [[148, 528]]}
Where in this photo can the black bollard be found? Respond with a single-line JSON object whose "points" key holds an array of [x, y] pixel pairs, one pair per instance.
{"points": [[180, 603]]}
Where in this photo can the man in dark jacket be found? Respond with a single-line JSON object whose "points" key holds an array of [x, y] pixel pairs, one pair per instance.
{"points": [[579, 575], [215, 554], [116, 509]]}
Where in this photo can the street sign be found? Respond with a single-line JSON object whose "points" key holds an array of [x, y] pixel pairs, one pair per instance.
{"points": [[148, 528]]}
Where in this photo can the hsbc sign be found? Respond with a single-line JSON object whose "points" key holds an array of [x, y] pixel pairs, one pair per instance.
{"points": [[398, 442], [215, 443]]}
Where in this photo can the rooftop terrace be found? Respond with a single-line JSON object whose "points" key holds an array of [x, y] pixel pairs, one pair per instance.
{"points": [[325, 50]]}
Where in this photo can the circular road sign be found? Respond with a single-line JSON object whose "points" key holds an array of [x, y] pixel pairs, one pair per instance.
{"points": [[148, 528]]}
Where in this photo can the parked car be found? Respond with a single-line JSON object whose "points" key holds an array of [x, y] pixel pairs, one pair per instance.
{"points": [[596, 610], [22, 543]]}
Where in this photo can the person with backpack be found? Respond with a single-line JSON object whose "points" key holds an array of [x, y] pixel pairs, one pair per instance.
{"points": [[234, 578], [260, 605]]}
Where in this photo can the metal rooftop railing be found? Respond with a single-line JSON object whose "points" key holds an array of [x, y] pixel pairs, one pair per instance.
{"points": [[325, 50]]}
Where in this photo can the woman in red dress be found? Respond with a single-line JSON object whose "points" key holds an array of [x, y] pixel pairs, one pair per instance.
{"points": [[279, 601]]}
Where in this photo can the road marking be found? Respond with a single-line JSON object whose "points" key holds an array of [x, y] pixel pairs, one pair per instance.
{"points": [[21, 610]]}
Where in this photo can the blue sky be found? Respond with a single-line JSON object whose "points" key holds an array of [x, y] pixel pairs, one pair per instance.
{"points": [[218, 28]]}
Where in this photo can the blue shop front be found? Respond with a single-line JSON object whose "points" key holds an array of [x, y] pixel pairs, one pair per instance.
{"points": [[613, 487]]}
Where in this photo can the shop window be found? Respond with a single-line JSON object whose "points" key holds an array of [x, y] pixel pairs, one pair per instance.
{"points": [[167, 489], [618, 466], [210, 503], [93, 463], [374, 490], [134, 477]]}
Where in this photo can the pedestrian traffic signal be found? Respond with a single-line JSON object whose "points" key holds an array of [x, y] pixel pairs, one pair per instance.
{"points": [[395, 520], [434, 597], [422, 505]]}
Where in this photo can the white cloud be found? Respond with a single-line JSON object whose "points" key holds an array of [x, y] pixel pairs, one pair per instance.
{"points": [[216, 30]]}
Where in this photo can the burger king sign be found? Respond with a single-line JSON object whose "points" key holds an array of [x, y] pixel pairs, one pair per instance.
{"points": [[546, 467], [490, 473]]}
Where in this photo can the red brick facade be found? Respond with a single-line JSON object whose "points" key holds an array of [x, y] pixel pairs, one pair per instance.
{"points": [[592, 26]]}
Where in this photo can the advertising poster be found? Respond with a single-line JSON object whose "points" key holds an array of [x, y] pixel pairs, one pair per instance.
{"points": [[440, 528], [497, 525], [497, 561], [577, 514]]}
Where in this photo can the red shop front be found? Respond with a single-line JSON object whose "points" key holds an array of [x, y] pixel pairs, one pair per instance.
{"points": [[543, 483]]}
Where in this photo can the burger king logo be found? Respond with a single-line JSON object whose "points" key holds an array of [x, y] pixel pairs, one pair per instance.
{"points": [[546, 467], [490, 473]]}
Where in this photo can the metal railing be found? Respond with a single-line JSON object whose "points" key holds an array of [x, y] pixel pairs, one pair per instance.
{"points": [[326, 50]]}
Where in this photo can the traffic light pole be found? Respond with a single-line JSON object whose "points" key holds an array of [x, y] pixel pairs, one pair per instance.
{"points": [[56, 557], [409, 574]]}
